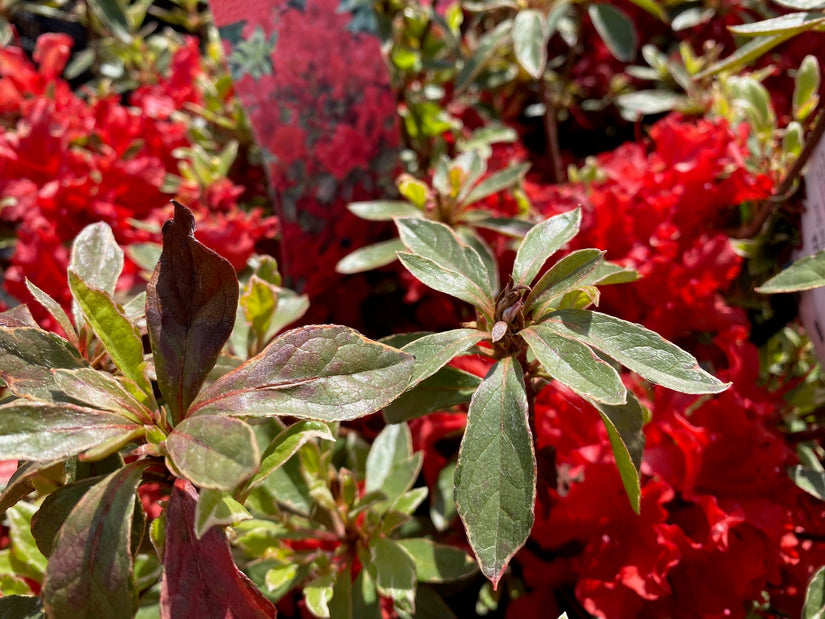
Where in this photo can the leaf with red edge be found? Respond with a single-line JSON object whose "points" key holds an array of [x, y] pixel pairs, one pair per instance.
{"points": [[191, 302], [90, 571], [200, 579]]}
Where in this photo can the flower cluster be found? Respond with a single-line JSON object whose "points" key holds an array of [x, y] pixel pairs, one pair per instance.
{"points": [[68, 160]]}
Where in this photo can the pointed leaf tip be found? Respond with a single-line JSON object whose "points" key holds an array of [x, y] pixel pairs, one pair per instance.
{"points": [[191, 302]]}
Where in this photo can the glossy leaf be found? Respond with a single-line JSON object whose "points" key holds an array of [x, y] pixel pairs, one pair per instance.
{"points": [[341, 604], [190, 309], [802, 5], [370, 257], [810, 480], [54, 308], [616, 30], [804, 274], [383, 210], [101, 391], [451, 282], [476, 241], [193, 567], [217, 508], [438, 562], [27, 355], [575, 365], [433, 352], [624, 430], [541, 242], [394, 572], [567, 274], [793, 23], [96, 257], [259, 302], [495, 480], [90, 570], [30, 561], [437, 242], [213, 451], [530, 41], [607, 273], [446, 388], [20, 483], [637, 348], [499, 181], [814, 607], [119, 336], [327, 373], [287, 443], [40, 431]]}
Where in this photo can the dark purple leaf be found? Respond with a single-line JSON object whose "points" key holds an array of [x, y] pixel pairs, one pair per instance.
{"points": [[191, 302], [200, 578]]}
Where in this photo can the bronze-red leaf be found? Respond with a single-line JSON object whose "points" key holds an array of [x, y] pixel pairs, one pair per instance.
{"points": [[200, 579], [190, 311]]}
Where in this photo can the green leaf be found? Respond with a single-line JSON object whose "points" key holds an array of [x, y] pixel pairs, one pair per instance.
{"points": [[437, 242], [27, 355], [487, 46], [55, 509], [53, 307], [96, 257], [495, 480], [369, 257], [365, 601], [651, 101], [394, 572], [119, 336], [213, 451], [191, 302], [90, 571], [20, 484], [530, 41], [23, 546], [616, 30], [793, 23], [114, 18], [541, 242], [806, 87], [446, 388], [499, 181], [810, 480], [575, 365], [567, 274], [392, 445], [508, 226], [20, 607], [433, 352], [340, 606], [101, 391], [801, 5], [814, 607], [607, 273], [41, 431], [327, 373], [217, 508], [259, 302], [624, 430], [384, 210], [482, 247], [415, 191], [286, 444], [451, 282], [804, 274], [291, 307], [637, 348], [438, 562], [746, 54], [318, 593], [652, 7]]}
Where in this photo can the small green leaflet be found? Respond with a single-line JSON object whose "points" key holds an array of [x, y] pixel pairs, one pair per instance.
{"points": [[804, 274]]}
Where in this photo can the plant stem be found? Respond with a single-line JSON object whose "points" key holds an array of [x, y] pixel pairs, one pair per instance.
{"points": [[551, 133]]}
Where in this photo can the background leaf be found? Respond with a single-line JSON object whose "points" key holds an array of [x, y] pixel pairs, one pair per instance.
{"points": [[438, 562], [446, 388], [495, 480], [814, 607], [433, 352], [370, 257], [804, 274], [191, 302], [320, 372], [530, 41], [616, 30]]}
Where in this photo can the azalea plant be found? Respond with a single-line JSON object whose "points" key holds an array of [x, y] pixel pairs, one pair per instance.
{"points": [[551, 228]]}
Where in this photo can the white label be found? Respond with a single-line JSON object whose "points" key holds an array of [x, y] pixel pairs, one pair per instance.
{"points": [[812, 302]]}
